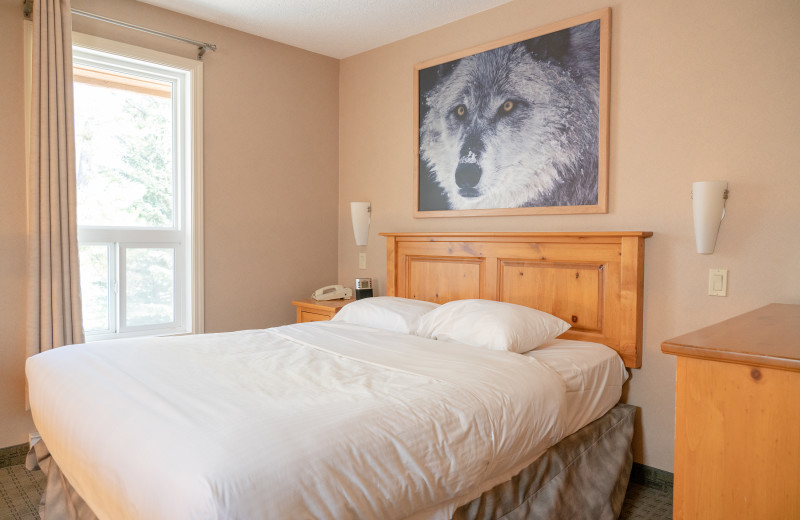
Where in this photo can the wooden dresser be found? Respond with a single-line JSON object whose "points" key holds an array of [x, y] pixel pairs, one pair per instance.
{"points": [[313, 310], [737, 417]]}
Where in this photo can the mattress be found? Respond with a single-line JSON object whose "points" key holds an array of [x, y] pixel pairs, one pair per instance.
{"points": [[324, 420]]}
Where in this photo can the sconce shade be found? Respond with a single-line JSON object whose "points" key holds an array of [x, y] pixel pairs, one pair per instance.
{"points": [[708, 204], [360, 211]]}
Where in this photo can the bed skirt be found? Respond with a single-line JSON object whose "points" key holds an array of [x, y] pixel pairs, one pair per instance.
{"points": [[59, 501], [584, 476]]}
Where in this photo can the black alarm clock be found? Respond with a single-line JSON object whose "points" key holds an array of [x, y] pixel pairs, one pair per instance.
{"points": [[363, 288]]}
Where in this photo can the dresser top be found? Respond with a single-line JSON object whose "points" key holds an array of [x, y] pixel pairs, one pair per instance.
{"points": [[769, 336]]}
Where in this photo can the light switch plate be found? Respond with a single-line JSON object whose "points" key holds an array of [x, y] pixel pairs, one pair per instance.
{"points": [[362, 260], [718, 282]]}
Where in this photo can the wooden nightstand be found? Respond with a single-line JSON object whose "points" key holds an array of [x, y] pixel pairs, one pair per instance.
{"points": [[313, 310], [737, 420]]}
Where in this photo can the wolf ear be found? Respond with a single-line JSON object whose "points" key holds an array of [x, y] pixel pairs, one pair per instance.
{"points": [[577, 48], [445, 69], [553, 47], [430, 77], [584, 54]]}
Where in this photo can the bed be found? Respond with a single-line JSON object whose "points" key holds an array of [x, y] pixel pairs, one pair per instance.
{"points": [[358, 418]]}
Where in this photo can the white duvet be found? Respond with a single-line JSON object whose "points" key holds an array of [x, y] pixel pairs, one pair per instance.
{"points": [[319, 420]]}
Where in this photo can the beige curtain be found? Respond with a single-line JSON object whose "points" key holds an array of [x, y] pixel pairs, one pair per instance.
{"points": [[54, 307]]}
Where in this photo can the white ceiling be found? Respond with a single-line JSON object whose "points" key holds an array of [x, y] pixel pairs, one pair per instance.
{"points": [[336, 28]]}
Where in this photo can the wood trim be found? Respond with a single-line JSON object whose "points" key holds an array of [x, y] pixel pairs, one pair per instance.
{"points": [[609, 302], [633, 297], [519, 236], [108, 79], [604, 141], [391, 267], [505, 212]]}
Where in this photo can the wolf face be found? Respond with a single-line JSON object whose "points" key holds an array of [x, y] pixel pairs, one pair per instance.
{"points": [[518, 125]]}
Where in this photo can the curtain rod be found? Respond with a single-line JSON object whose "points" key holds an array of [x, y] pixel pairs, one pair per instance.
{"points": [[202, 47]]}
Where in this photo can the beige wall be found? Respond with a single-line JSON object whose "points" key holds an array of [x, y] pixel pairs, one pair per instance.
{"points": [[699, 91], [271, 146], [14, 421]]}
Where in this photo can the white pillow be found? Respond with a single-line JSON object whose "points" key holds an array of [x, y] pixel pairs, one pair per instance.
{"points": [[385, 312], [490, 324]]}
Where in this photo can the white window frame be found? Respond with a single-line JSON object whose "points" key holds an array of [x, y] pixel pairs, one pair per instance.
{"points": [[111, 273], [186, 233]]}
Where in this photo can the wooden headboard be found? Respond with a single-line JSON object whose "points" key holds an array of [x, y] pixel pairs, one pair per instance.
{"points": [[594, 281]]}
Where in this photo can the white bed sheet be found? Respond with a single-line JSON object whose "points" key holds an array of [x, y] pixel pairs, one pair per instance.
{"points": [[323, 420], [593, 374]]}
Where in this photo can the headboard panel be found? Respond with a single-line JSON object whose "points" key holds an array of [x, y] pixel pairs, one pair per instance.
{"points": [[594, 281]]}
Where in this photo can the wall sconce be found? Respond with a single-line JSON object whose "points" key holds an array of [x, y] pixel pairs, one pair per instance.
{"points": [[708, 204], [360, 213]]}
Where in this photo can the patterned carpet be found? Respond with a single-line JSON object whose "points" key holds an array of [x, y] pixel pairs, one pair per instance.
{"points": [[21, 490], [646, 503]]}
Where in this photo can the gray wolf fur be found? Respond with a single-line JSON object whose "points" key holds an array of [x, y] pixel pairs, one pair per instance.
{"points": [[518, 125]]}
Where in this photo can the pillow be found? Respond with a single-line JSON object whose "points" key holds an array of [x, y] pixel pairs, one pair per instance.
{"points": [[490, 324], [385, 312]]}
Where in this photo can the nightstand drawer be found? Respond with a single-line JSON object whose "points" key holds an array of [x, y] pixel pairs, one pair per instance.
{"points": [[312, 316], [313, 310]]}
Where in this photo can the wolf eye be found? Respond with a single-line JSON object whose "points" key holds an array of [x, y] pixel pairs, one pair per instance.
{"points": [[511, 106], [460, 111]]}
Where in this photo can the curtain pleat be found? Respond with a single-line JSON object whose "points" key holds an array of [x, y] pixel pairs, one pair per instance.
{"points": [[54, 307]]}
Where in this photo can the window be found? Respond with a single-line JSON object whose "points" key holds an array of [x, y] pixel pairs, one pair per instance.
{"points": [[137, 152]]}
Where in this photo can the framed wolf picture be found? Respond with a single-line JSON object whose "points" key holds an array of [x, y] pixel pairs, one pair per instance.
{"points": [[517, 126]]}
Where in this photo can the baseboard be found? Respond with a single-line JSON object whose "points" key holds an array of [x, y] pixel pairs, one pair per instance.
{"points": [[13, 455], [651, 477]]}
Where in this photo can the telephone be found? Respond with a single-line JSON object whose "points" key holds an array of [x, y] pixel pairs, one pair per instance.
{"points": [[333, 292]]}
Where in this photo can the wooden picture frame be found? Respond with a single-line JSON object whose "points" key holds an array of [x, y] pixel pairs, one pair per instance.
{"points": [[518, 126]]}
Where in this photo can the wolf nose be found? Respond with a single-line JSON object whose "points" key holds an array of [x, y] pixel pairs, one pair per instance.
{"points": [[468, 175]]}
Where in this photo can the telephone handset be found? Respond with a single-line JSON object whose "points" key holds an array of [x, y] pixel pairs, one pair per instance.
{"points": [[332, 292]]}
